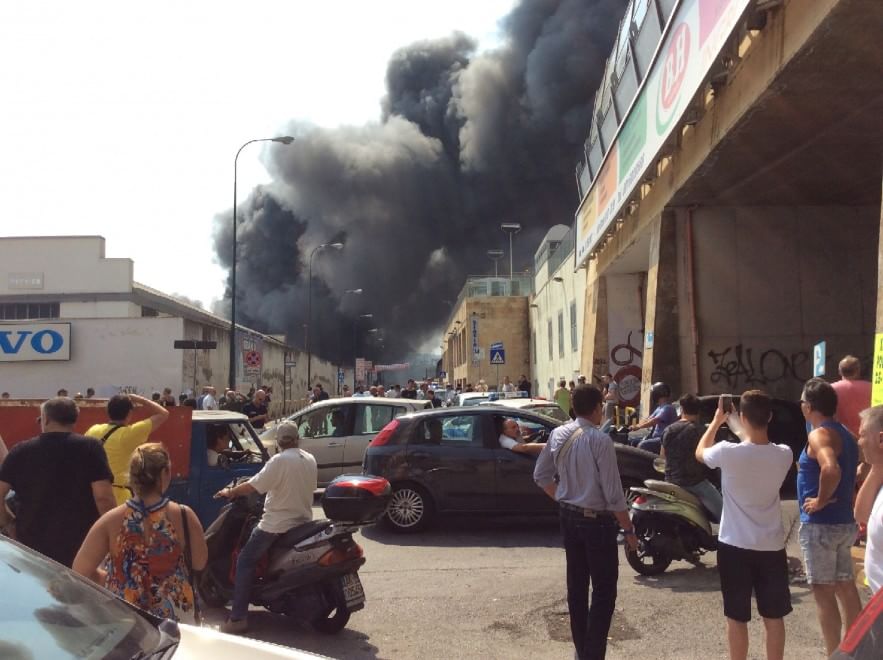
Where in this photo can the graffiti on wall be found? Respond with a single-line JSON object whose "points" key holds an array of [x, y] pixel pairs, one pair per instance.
{"points": [[735, 367]]}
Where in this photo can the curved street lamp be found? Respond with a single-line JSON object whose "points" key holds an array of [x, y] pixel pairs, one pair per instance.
{"points": [[334, 246], [285, 139]]}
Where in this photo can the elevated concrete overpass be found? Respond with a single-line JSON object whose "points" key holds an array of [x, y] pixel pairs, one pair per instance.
{"points": [[754, 232]]}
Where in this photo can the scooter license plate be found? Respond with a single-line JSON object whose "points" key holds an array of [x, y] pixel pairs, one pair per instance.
{"points": [[353, 593]]}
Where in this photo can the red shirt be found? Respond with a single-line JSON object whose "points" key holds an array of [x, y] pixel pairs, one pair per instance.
{"points": [[853, 396]]}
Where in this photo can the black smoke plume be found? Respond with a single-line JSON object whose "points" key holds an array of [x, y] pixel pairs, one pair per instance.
{"points": [[465, 140]]}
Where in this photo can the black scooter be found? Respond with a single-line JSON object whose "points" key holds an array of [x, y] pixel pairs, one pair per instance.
{"points": [[312, 571]]}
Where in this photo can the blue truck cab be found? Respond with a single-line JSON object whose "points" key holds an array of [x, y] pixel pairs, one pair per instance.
{"points": [[239, 454]]}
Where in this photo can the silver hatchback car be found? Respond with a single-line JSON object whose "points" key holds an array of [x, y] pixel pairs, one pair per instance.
{"points": [[337, 431]]}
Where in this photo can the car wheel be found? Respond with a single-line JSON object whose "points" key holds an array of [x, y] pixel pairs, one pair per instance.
{"points": [[331, 622], [409, 510]]}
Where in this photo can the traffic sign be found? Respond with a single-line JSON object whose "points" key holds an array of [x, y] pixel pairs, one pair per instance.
{"points": [[340, 375], [498, 356], [818, 359]]}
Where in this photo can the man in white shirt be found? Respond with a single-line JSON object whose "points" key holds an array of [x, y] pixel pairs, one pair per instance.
{"points": [[507, 385], [869, 502], [751, 545], [510, 439], [209, 402], [289, 479]]}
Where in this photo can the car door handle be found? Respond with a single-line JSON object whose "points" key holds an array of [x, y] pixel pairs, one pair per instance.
{"points": [[334, 444]]}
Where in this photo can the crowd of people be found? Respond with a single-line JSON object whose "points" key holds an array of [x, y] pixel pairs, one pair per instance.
{"points": [[115, 525]]}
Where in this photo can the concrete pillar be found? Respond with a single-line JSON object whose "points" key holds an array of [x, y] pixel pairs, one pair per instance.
{"points": [[661, 359], [593, 359]]}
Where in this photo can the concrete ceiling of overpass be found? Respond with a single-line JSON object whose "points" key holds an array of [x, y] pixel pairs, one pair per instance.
{"points": [[815, 137]]}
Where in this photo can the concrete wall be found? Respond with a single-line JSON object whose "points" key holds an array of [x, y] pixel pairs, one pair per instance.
{"points": [[107, 354], [66, 264], [773, 281], [552, 298], [500, 318]]}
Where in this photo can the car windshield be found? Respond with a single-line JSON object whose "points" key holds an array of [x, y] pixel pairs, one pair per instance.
{"points": [[245, 438], [48, 612], [552, 411]]}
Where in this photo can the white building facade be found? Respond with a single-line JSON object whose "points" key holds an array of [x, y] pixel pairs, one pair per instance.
{"points": [[71, 318], [556, 313]]}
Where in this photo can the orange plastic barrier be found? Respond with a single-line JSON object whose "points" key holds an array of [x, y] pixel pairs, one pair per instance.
{"points": [[19, 420]]}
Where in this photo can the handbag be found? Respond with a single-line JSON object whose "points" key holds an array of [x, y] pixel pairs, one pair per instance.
{"points": [[188, 563]]}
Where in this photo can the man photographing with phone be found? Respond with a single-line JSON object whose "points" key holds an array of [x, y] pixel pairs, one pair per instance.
{"points": [[751, 545]]}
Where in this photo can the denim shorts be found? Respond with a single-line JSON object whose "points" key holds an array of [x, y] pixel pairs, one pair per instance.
{"points": [[827, 552]]}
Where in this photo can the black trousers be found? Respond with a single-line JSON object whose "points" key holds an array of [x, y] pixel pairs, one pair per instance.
{"points": [[592, 559]]}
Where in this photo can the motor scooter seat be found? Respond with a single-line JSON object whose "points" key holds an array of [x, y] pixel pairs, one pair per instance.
{"points": [[301, 532], [672, 489]]}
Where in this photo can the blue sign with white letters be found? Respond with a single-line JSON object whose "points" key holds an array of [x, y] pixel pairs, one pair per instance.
{"points": [[29, 342], [498, 353]]}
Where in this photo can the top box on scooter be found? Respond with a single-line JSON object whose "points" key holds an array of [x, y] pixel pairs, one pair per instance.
{"points": [[356, 498]]}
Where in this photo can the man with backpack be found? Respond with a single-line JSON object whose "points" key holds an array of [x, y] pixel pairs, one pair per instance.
{"points": [[120, 439]]}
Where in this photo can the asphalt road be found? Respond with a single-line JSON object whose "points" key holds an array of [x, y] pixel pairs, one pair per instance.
{"points": [[494, 588]]}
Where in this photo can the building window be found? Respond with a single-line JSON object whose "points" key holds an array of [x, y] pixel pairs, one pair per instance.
{"points": [[28, 311], [551, 354], [573, 342], [561, 333], [148, 311]]}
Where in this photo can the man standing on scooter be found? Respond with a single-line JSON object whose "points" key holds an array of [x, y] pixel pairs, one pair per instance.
{"points": [[751, 544], [825, 487], [289, 479], [679, 451], [578, 469]]}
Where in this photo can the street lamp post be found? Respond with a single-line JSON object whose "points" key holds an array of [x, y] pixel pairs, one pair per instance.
{"points": [[496, 255], [335, 246], [285, 139], [510, 228], [356, 343]]}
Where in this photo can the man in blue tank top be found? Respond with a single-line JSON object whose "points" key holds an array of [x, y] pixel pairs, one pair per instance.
{"points": [[825, 488]]}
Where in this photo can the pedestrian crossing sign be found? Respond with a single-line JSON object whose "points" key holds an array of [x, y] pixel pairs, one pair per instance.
{"points": [[498, 356]]}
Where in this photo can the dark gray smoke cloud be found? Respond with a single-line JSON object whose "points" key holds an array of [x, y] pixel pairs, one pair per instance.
{"points": [[465, 141]]}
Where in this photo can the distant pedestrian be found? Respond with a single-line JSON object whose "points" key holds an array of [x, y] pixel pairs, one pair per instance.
{"points": [[319, 393], [524, 385], [62, 482], [61, 393], [120, 438], [434, 399], [508, 386], [167, 399], [853, 393], [751, 545], [4, 396], [611, 397], [825, 488], [155, 397], [577, 468], [256, 410], [562, 396], [90, 392], [149, 542], [209, 401], [869, 503]]}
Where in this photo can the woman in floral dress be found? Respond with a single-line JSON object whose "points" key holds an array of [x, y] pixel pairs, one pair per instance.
{"points": [[137, 550]]}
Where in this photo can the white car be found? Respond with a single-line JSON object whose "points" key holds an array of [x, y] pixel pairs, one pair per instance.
{"points": [[337, 431], [48, 611]]}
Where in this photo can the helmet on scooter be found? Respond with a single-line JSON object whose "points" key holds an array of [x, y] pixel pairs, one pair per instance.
{"points": [[658, 390]]}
